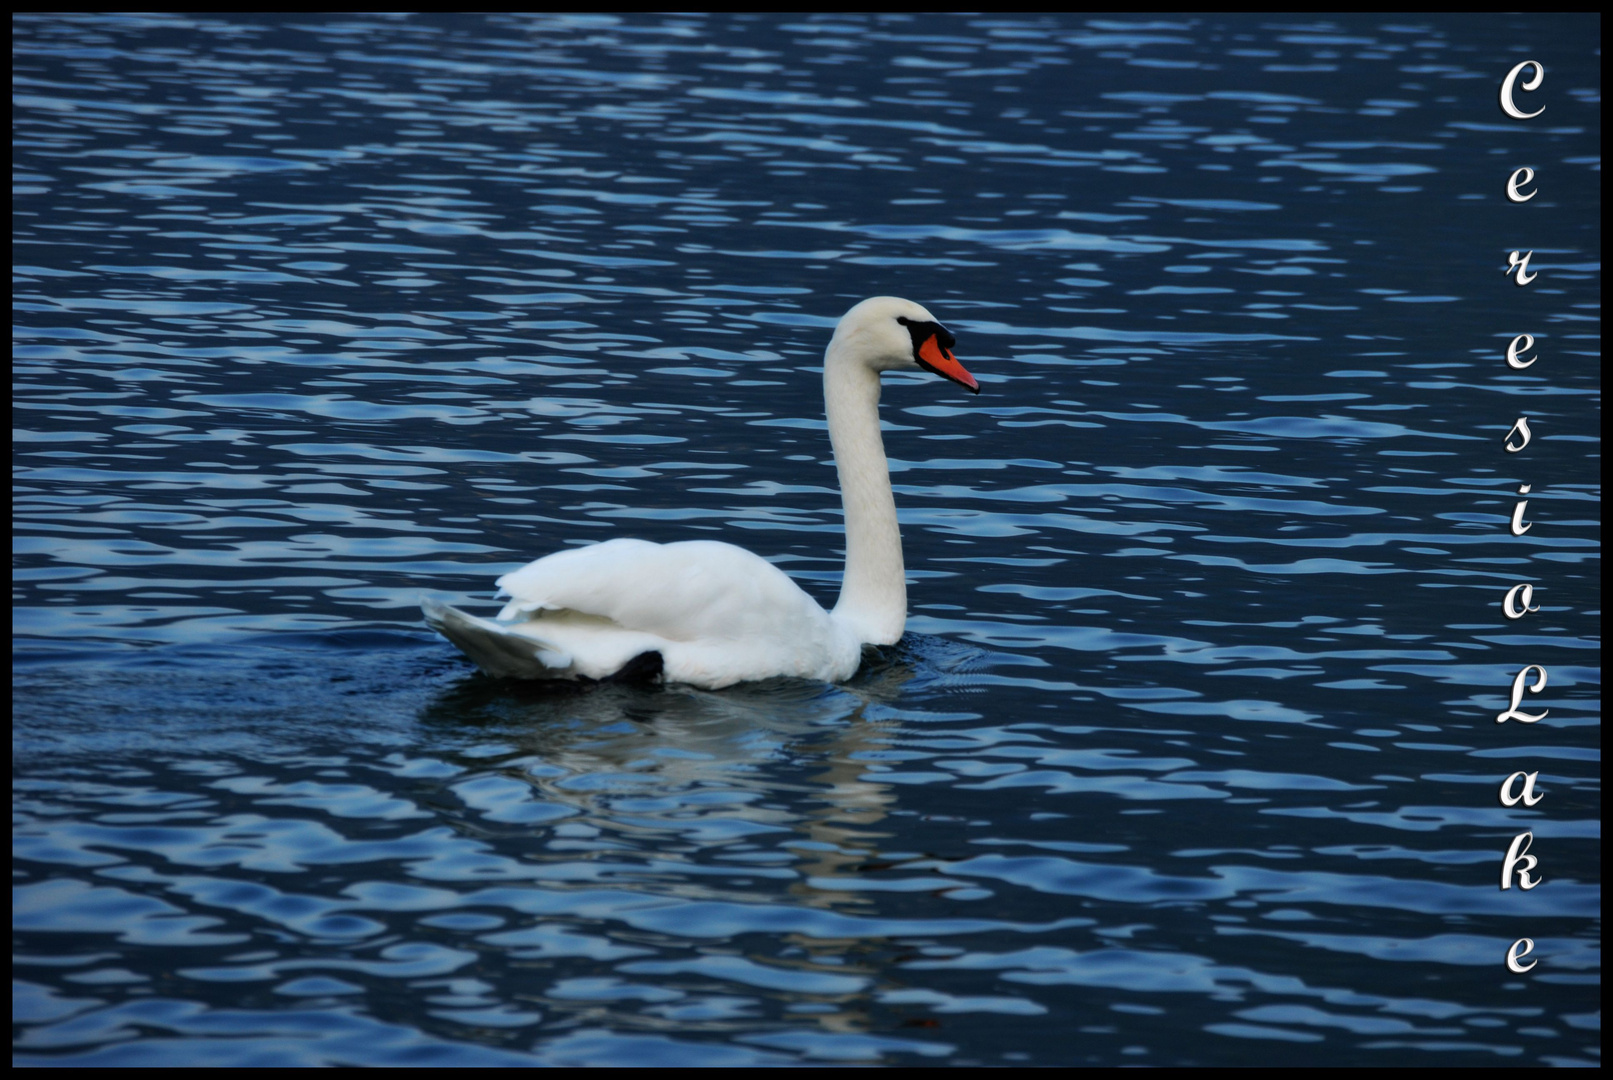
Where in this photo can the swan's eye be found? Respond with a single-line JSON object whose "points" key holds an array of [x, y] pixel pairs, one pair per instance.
{"points": [[926, 331], [932, 350]]}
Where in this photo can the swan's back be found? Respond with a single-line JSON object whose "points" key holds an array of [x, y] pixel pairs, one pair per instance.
{"points": [[686, 591], [717, 613]]}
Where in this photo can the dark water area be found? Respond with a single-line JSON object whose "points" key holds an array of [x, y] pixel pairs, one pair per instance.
{"points": [[1189, 755]]}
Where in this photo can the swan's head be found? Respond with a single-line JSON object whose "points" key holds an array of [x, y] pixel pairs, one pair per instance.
{"points": [[887, 333]]}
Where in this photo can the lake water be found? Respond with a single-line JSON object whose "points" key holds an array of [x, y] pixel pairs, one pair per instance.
{"points": [[1189, 755]]}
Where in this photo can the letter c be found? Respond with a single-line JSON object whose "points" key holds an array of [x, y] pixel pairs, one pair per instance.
{"points": [[1528, 84]]}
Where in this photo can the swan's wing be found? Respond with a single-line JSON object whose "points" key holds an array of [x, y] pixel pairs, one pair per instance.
{"points": [[713, 613], [689, 591]]}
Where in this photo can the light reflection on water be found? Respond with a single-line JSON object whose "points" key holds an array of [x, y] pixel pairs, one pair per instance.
{"points": [[1189, 754]]}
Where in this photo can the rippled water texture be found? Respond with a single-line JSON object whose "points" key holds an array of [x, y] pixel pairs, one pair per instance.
{"points": [[1190, 753]]}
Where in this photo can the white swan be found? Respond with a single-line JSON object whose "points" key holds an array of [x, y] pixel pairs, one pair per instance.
{"points": [[712, 614]]}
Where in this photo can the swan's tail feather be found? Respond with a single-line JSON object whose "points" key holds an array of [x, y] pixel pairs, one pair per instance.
{"points": [[495, 648]]}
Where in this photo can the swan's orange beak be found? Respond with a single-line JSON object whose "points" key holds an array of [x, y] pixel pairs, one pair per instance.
{"points": [[940, 360]]}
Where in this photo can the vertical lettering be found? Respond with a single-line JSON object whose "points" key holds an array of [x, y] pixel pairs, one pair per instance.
{"points": [[1519, 600]]}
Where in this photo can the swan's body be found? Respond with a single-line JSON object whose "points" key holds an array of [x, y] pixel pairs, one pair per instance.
{"points": [[712, 614]]}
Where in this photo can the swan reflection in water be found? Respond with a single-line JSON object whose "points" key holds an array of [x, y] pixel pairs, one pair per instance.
{"points": [[587, 747], [709, 614], [759, 796], [676, 753]]}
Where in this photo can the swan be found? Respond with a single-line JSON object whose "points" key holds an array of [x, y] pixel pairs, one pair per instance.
{"points": [[710, 614]]}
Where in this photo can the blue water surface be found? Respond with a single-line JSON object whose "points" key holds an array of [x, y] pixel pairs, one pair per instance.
{"points": [[1189, 755]]}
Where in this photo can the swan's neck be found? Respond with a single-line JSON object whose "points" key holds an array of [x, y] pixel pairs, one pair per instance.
{"points": [[873, 595]]}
